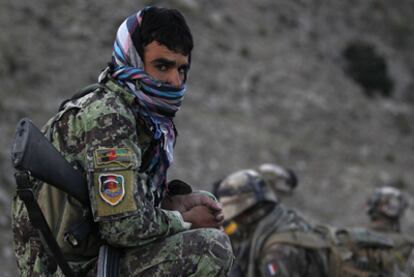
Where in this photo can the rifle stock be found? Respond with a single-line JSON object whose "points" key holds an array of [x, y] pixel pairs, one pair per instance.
{"points": [[32, 152]]}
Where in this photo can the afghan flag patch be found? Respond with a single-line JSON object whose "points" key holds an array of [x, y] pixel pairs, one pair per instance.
{"points": [[121, 156], [111, 188]]}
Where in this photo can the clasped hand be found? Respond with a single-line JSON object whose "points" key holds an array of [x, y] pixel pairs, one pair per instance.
{"points": [[198, 209]]}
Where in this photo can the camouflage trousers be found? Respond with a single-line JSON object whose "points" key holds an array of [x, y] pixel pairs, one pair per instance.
{"points": [[198, 252]]}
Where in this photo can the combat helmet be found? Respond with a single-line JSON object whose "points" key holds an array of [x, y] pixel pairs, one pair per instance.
{"points": [[281, 180], [248, 188], [241, 191], [387, 201]]}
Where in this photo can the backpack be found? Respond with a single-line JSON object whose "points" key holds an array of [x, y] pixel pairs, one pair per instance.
{"points": [[350, 252], [358, 252], [32, 255]]}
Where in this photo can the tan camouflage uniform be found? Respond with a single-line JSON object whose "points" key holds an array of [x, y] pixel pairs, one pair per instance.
{"points": [[100, 135], [269, 254], [259, 221], [386, 206], [403, 247]]}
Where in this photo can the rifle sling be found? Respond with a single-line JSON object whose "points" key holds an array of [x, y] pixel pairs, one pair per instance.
{"points": [[39, 222]]}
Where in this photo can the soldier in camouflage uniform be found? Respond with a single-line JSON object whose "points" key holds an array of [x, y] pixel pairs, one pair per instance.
{"points": [[375, 250], [385, 208], [268, 239], [121, 136]]}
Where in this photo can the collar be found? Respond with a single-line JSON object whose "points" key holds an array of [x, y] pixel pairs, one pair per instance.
{"points": [[126, 95]]}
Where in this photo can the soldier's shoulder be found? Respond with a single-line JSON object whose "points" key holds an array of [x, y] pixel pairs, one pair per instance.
{"points": [[99, 103], [94, 104], [103, 101], [302, 238]]}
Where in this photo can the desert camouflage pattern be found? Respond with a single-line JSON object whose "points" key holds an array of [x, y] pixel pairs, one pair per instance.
{"points": [[240, 190], [402, 252], [291, 261], [125, 202], [254, 215], [246, 187], [386, 207], [256, 255], [281, 180]]}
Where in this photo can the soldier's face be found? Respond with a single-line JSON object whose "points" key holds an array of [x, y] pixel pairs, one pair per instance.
{"points": [[164, 64]]}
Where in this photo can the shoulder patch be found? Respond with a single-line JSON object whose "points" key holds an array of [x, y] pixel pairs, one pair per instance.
{"points": [[118, 156], [111, 188], [113, 194]]}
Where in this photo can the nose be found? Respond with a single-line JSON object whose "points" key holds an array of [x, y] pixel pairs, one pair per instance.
{"points": [[174, 79]]}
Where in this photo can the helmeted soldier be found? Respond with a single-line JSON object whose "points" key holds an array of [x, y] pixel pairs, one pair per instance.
{"points": [[266, 236], [372, 251], [121, 135], [378, 249], [385, 208]]}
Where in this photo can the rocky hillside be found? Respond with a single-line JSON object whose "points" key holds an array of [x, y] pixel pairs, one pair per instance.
{"points": [[322, 87]]}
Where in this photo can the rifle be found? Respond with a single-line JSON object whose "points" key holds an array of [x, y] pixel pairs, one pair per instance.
{"points": [[34, 156], [32, 152]]}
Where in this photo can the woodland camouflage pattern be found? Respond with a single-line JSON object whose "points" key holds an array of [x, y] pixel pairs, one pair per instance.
{"points": [[199, 252], [104, 120]]}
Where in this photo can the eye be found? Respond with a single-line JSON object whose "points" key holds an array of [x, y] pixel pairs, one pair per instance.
{"points": [[162, 67], [183, 69]]}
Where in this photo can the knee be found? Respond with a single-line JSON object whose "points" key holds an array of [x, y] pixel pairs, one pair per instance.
{"points": [[217, 248]]}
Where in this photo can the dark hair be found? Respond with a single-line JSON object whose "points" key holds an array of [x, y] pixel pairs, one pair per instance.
{"points": [[166, 26]]}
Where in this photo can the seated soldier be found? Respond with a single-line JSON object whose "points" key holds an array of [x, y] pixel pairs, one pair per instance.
{"points": [[378, 249], [121, 136], [265, 235], [270, 240], [386, 206]]}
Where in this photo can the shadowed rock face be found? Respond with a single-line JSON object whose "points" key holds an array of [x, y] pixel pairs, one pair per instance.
{"points": [[266, 85], [368, 69]]}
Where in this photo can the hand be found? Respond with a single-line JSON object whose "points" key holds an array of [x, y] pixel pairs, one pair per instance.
{"points": [[183, 203], [202, 217]]}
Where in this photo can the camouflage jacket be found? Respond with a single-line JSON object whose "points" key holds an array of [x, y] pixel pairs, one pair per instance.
{"points": [[359, 251], [100, 135], [403, 250], [266, 251]]}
